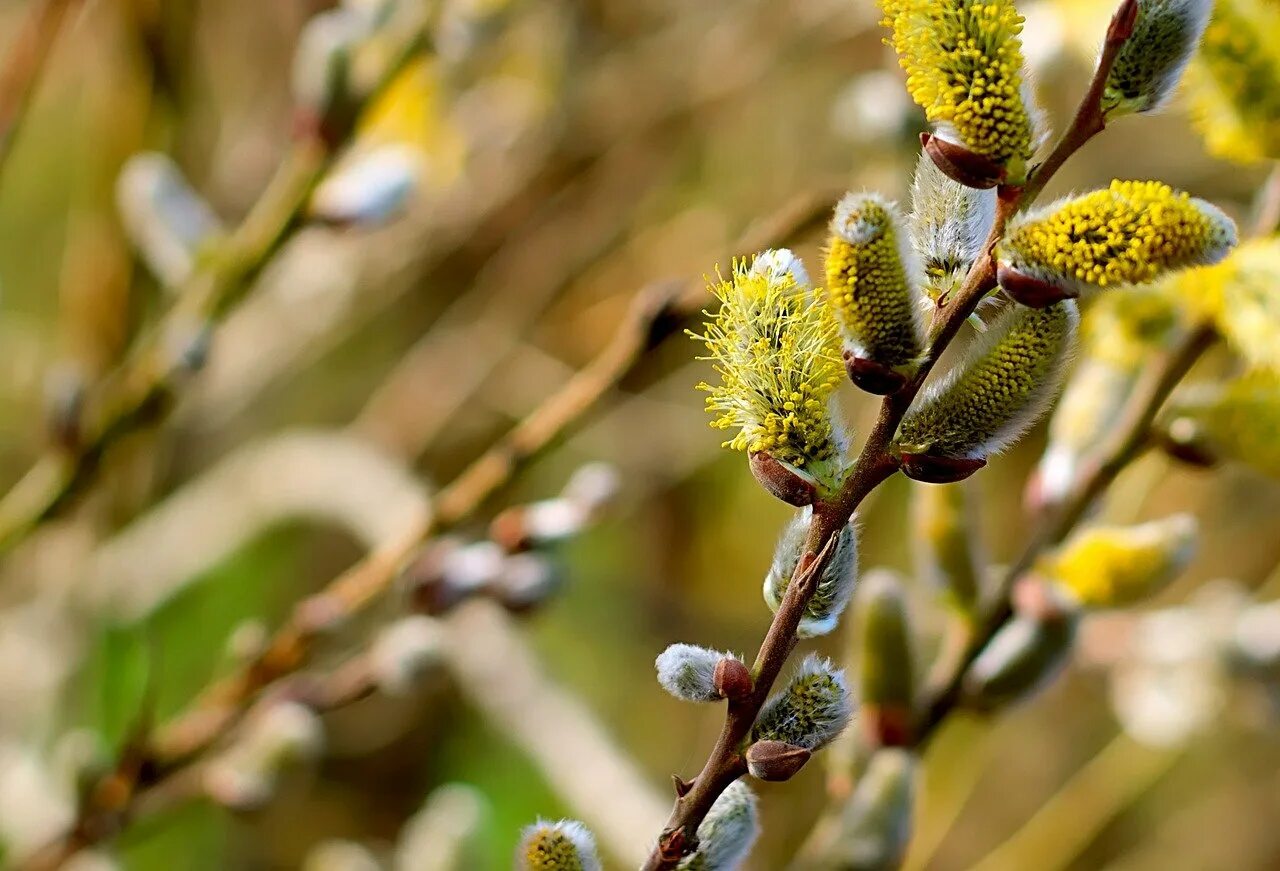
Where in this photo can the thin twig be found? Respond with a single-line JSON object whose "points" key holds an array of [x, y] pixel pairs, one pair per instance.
{"points": [[1127, 441], [874, 465]]}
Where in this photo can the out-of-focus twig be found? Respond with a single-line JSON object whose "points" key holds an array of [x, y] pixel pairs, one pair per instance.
{"points": [[1266, 216], [1112, 780], [659, 310], [21, 73], [141, 390], [497, 674]]}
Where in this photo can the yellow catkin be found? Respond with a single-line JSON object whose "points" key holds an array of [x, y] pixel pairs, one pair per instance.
{"points": [[1237, 421], [774, 344], [1242, 296], [562, 846], [992, 397], [1234, 83], [964, 65], [1130, 233], [869, 282], [1118, 566]]}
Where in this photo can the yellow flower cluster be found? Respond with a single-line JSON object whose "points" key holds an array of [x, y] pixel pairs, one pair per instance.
{"points": [[992, 397], [869, 282], [774, 344], [1238, 421], [1242, 295], [1235, 83], [1118, 566], [1130, 233], [562, 846], [964, 63]]}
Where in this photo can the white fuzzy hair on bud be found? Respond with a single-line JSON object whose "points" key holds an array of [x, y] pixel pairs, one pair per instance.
{"points": [[688, 672], [812, 711], [727, 834], [949, 223], [1151, 62], [566, 845], [835, 586], [402, 651], [775, 264]]}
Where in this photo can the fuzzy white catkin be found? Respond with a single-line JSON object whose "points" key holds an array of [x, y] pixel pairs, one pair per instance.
{"points": [[835, 587], [728, 833], [949, 223], [688, 672], [812, 711]]}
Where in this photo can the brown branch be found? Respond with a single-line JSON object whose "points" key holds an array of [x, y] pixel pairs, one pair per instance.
{"points": [[874, 465], [30, 52]]}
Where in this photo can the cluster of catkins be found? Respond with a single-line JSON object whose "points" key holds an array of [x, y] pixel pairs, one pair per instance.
{"points": [[782, 344]]}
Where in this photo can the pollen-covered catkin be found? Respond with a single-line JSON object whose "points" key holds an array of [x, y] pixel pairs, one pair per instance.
{"points": [[949, 223], [1118, 566], [964, 67], [774, 345], [728, 833], [1151, 61], [1242, 296], [1237, 421], [811, 712], [835, 586], [562, 846], [987, 401], [872, 284], [1235, 82], [1130, 233]]}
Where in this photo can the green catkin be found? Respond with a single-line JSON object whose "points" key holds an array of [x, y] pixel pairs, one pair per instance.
{"points": [[1151, 62], [988, 401], [811, 712], [728, 833]]}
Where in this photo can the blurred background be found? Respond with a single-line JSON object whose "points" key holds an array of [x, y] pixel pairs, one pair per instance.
{"points": [[506, 197]]}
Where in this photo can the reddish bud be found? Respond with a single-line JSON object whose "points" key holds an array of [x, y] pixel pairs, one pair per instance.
{"points": [[732, 679], [776, 761], [960, 164], [873, 377], [1028, 290], [783, 480], [929, 469]]}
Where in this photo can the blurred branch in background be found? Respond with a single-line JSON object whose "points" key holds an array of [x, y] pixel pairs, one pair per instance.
{"points": [[21, 73]]}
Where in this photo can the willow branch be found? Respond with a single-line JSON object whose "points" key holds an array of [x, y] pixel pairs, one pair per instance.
{"points": [[1128, 439], [874, 465]]}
